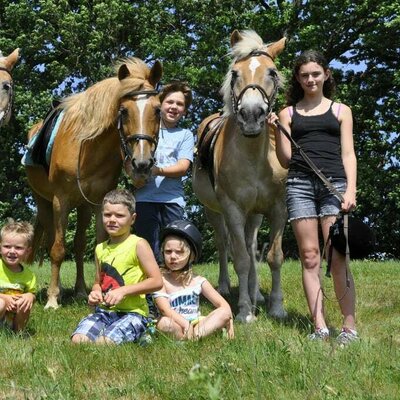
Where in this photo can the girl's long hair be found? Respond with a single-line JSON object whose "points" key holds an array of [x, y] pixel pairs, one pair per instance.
{"points": [[295, 93]]}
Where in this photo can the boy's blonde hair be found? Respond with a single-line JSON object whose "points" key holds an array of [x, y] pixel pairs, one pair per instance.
{"points": [[186, 273], [22, 228], [121, 196]]}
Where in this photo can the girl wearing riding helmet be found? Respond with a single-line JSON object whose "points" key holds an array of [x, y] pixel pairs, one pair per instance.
{"points": [[179, 300]]}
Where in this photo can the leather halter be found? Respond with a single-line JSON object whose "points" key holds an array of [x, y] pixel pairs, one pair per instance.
{"points": [[135, 137], [11, 96], [269, 100]]}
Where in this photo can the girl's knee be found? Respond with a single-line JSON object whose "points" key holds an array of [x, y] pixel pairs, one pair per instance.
{"points": [[310, 259]]}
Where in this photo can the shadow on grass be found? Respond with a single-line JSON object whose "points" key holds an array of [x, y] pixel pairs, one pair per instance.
{"points": [[301, 322]]}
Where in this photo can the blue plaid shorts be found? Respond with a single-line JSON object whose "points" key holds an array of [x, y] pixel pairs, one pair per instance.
{"points": [[120, 327]]}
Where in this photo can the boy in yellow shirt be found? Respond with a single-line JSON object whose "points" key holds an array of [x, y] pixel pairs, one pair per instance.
{"points": [[17, 282], [125, 271]]}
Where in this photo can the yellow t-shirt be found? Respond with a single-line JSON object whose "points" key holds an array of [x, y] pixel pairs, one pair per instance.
{"points": [[16, 282], [119, 266]]}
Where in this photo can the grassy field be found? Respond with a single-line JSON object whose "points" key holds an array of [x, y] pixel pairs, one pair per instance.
{"points": [[267, 360]]}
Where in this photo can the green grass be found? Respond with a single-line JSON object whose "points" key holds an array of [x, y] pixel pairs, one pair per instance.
{"points": [[267, 360]]}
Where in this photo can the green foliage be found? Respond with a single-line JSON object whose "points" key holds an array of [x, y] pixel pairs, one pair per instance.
{"points": [[68, 45]]}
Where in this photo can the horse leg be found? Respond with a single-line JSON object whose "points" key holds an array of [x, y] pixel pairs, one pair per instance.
{"points": [[236, 222], [57, 252], [251, 232], [101, 234], [43, 227], [221, 239], [277, 220], [84, 214]]}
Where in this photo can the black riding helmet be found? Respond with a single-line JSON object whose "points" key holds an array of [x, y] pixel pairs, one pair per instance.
{"points": [[362, 239], [188, 231]]}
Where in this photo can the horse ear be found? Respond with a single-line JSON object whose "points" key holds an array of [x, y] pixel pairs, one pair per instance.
{"points": [[11, 60], [276, 48], [156, 73], [235, 37], [123, 72]]}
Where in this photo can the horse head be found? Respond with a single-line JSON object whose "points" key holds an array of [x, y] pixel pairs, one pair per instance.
{"points": [[139, 122], [6, 85], [252, 83]]}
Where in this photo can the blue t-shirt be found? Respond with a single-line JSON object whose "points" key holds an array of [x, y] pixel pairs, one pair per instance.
{"points": [[173, 144]]}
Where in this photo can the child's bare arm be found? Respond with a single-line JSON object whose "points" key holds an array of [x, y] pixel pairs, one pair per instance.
{"points": [[219, 303], [96, 296], [165, 309]]}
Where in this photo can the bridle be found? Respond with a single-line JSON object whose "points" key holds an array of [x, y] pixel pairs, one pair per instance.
{"points": [[269, 100], [11, 97], [134, 137], [124, 140]]}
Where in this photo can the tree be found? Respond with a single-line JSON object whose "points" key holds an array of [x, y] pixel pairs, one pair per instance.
{"points": [[68, 45]]}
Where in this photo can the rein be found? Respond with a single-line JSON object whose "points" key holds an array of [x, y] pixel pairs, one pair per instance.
{"points": [[10, 96], [334, 191], [124, 140]]}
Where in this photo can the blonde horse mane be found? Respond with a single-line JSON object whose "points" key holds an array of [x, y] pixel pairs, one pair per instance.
{"points": [[251, 41], [91, 112]]}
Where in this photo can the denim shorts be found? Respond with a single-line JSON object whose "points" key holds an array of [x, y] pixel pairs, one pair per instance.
{"points": [[119, 327], [308, 197]]}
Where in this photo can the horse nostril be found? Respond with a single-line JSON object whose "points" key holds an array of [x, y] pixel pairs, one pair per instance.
{"points": [[243, 113], [142, 166], [261, 113]]}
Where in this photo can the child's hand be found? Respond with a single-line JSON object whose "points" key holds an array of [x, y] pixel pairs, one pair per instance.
{"points": [[114, 296], [25, 302], [230, 333], [95, 297], [189, 332], [11, 303]]}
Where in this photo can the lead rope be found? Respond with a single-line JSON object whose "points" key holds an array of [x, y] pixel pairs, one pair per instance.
{"points": [[334, 191], [78, 178]]}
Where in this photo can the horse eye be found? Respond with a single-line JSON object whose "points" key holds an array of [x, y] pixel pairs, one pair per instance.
{"points": [[273, 73], [124, 112], [235, 74], [6, 86]]}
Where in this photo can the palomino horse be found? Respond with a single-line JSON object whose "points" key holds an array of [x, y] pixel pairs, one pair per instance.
{"points": [[112, 124], [6, 85], [237, 175]]}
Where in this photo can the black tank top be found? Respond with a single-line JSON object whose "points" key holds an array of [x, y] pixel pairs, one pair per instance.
{"points": [[319, 137]]}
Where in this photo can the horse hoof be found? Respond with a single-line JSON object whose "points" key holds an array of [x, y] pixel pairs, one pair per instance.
{"points": [[51, 304], [246, 318], [278, 314]]}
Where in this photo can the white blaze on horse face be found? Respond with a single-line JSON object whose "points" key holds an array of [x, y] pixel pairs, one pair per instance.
{"points": [[254, 64], [141, 105], [252, 98]]}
